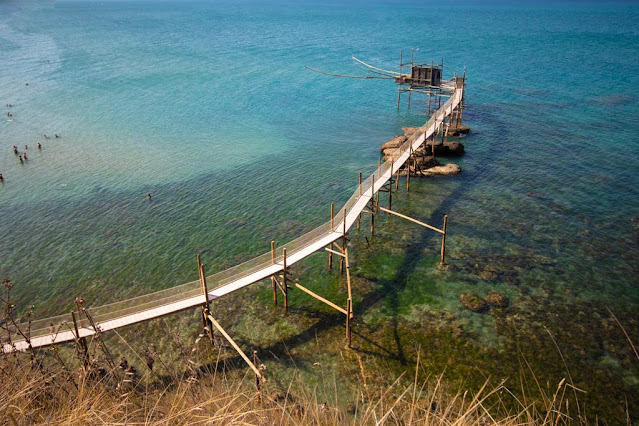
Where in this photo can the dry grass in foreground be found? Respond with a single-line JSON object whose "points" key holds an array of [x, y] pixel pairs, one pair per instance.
{"points": [[87, 384], [43, 389]]}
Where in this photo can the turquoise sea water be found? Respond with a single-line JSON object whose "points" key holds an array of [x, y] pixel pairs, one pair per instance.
{"points": [[208, 107]]}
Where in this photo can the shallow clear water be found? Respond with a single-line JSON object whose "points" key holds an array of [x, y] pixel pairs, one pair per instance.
{"points": [[208, 107]]}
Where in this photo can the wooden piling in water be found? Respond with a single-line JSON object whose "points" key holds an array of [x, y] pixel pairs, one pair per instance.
{"points": [[443, 252], [273, 285], [373, 205], [284, 284]]}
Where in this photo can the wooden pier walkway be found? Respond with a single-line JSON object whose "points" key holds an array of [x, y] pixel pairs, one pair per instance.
{"points": [[61, 328]]}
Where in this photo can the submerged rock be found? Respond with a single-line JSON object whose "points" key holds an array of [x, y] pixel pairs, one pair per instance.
{"points": [[473, 302], [456, 130], [446, 149], [496, 299], [445, 169], [453, 148]]}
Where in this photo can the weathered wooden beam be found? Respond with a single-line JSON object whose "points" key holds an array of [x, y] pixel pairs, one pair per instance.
{"points": [[235, 346], [412, 220], [334, 252], [320, 298]]}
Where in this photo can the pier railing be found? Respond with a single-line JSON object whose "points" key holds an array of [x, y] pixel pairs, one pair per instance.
{"points": [[55, 327]]}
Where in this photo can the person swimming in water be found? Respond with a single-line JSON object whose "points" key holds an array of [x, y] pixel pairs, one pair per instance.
{"points": [[15, 150], [21, 161], [25, 156], [56, 135], [148, 197], [26, 146], [1, 178], [39, 145]]}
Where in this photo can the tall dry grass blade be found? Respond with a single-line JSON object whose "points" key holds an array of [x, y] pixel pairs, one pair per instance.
{"points": [[476, 402], [381, 399], [567, 371], [399, 398], [632, 345], [432, 398], [412, 406]]}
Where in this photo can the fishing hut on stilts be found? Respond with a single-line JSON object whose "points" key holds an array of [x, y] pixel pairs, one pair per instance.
{"points": [[421, 78]]}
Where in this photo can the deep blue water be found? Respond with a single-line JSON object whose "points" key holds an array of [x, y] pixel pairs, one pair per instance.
{"points": [[209, 107]]}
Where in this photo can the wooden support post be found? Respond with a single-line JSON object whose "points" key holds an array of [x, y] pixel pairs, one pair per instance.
{"points": [[397, 181], [372, 223], [349, 302], [349, 310], [330, 255], [348, 274], [433, 142], [448, 126], [429, 101], [284, 284], [410, 92], [273, 285], [373, 205], [444, 240]]}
